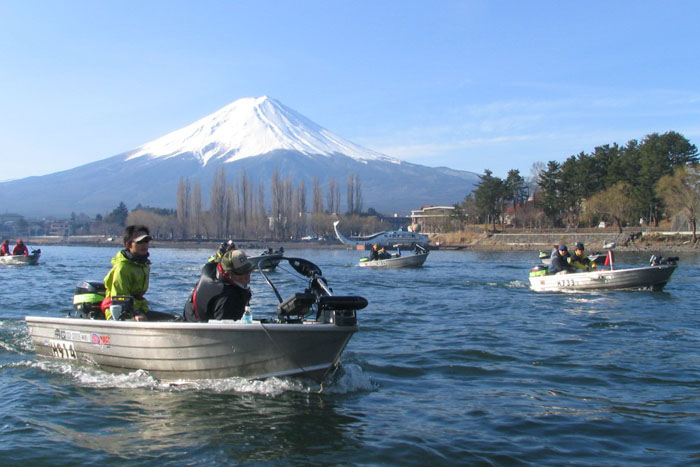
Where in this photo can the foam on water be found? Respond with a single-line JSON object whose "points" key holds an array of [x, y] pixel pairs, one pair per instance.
{"points": [[347, 380]]}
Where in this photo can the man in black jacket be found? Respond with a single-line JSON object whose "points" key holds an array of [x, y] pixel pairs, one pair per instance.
{"points": [[560, 263], [222, 291]]}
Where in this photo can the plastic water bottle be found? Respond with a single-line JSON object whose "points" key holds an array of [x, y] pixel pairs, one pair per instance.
{"points": [[247, 315]]}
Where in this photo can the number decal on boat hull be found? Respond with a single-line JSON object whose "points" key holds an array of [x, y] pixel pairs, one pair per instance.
{"points": [[566, 283], [62, 349]]}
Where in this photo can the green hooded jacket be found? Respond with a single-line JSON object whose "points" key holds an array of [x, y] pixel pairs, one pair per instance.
{"points": [[128, 276]]}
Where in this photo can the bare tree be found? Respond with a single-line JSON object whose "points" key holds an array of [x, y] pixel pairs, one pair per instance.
{"points": [[302, 196], [197, 219], [183, 203], [262, 223], [350, 194], [358, 196], [333, 196], [218, 202], [245, 199]]}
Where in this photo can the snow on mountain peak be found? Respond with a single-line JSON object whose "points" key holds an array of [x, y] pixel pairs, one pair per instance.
{"points": [[249, 127]]}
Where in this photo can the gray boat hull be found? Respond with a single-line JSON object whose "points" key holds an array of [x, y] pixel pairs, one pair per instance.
{"points": [[21, 260], [408, 261], [650, 277], [178, 350]]}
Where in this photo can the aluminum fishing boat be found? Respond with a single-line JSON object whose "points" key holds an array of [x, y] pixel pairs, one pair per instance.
{"points": [[397, 260], [21, 260], [652, 277], [307, 338]]}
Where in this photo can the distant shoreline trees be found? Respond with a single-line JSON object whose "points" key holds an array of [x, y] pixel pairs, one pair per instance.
{"points": [[621, 184]]}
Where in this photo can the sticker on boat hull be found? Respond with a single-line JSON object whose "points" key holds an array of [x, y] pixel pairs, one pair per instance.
{"points": [[77, 336]]}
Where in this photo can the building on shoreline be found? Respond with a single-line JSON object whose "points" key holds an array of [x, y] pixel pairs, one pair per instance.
{"points": [[433, 219]]}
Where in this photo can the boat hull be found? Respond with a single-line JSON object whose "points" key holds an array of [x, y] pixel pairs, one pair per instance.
{"points": [[20, 260], [411, 261], [177, 350], [651, 277]]}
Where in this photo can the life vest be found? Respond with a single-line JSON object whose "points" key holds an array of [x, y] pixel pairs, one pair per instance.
{"points": [[206, 290]]}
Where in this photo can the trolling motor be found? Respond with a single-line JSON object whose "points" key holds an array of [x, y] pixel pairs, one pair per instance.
{"points": [[317, 297]]}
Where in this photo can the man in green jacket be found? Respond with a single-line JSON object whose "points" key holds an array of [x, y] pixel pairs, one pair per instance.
{"points": [[129, 273]]}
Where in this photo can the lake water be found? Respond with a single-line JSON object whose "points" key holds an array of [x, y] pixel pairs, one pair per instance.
{"points": [[455, 363]]}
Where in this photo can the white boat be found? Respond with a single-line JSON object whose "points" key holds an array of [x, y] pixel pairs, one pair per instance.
{"points": [[397, 260], [389, 239], [21, 260], [306, 339], [653, 277]]}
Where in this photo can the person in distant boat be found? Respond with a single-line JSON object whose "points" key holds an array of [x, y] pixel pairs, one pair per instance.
{"points": [[383, 254], [223, 289], [20, 248], [579, 260], [560, 263], [374, 254], [5, 248], [130, 270], [223, 248]]}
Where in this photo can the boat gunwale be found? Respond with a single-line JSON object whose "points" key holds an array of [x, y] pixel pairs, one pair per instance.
{"points": [[189, 326]]}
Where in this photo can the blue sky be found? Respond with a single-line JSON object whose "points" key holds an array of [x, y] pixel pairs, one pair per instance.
{"points": [[470, 85]]}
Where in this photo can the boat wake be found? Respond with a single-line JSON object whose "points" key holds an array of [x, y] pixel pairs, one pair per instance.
{"points": [[348, 379], [14, 337]]}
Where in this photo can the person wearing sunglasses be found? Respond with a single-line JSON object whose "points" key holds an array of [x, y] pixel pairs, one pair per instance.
{"points": [[129, 274]]}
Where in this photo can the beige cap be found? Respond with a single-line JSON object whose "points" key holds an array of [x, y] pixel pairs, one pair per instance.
{"points": [[236, 262]]}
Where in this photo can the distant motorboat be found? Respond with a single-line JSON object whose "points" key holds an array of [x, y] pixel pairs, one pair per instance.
{"points": [[21, 260], [652, 277], [397, 260], [268, 260]]}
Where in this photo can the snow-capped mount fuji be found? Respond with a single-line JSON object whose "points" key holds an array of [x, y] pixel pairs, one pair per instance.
{"points": [[258, 135], [249, 127]]}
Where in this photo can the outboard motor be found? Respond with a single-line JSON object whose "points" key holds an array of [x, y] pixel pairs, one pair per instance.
{"points": [[88, 298], [657, 260], [539, 270]]}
